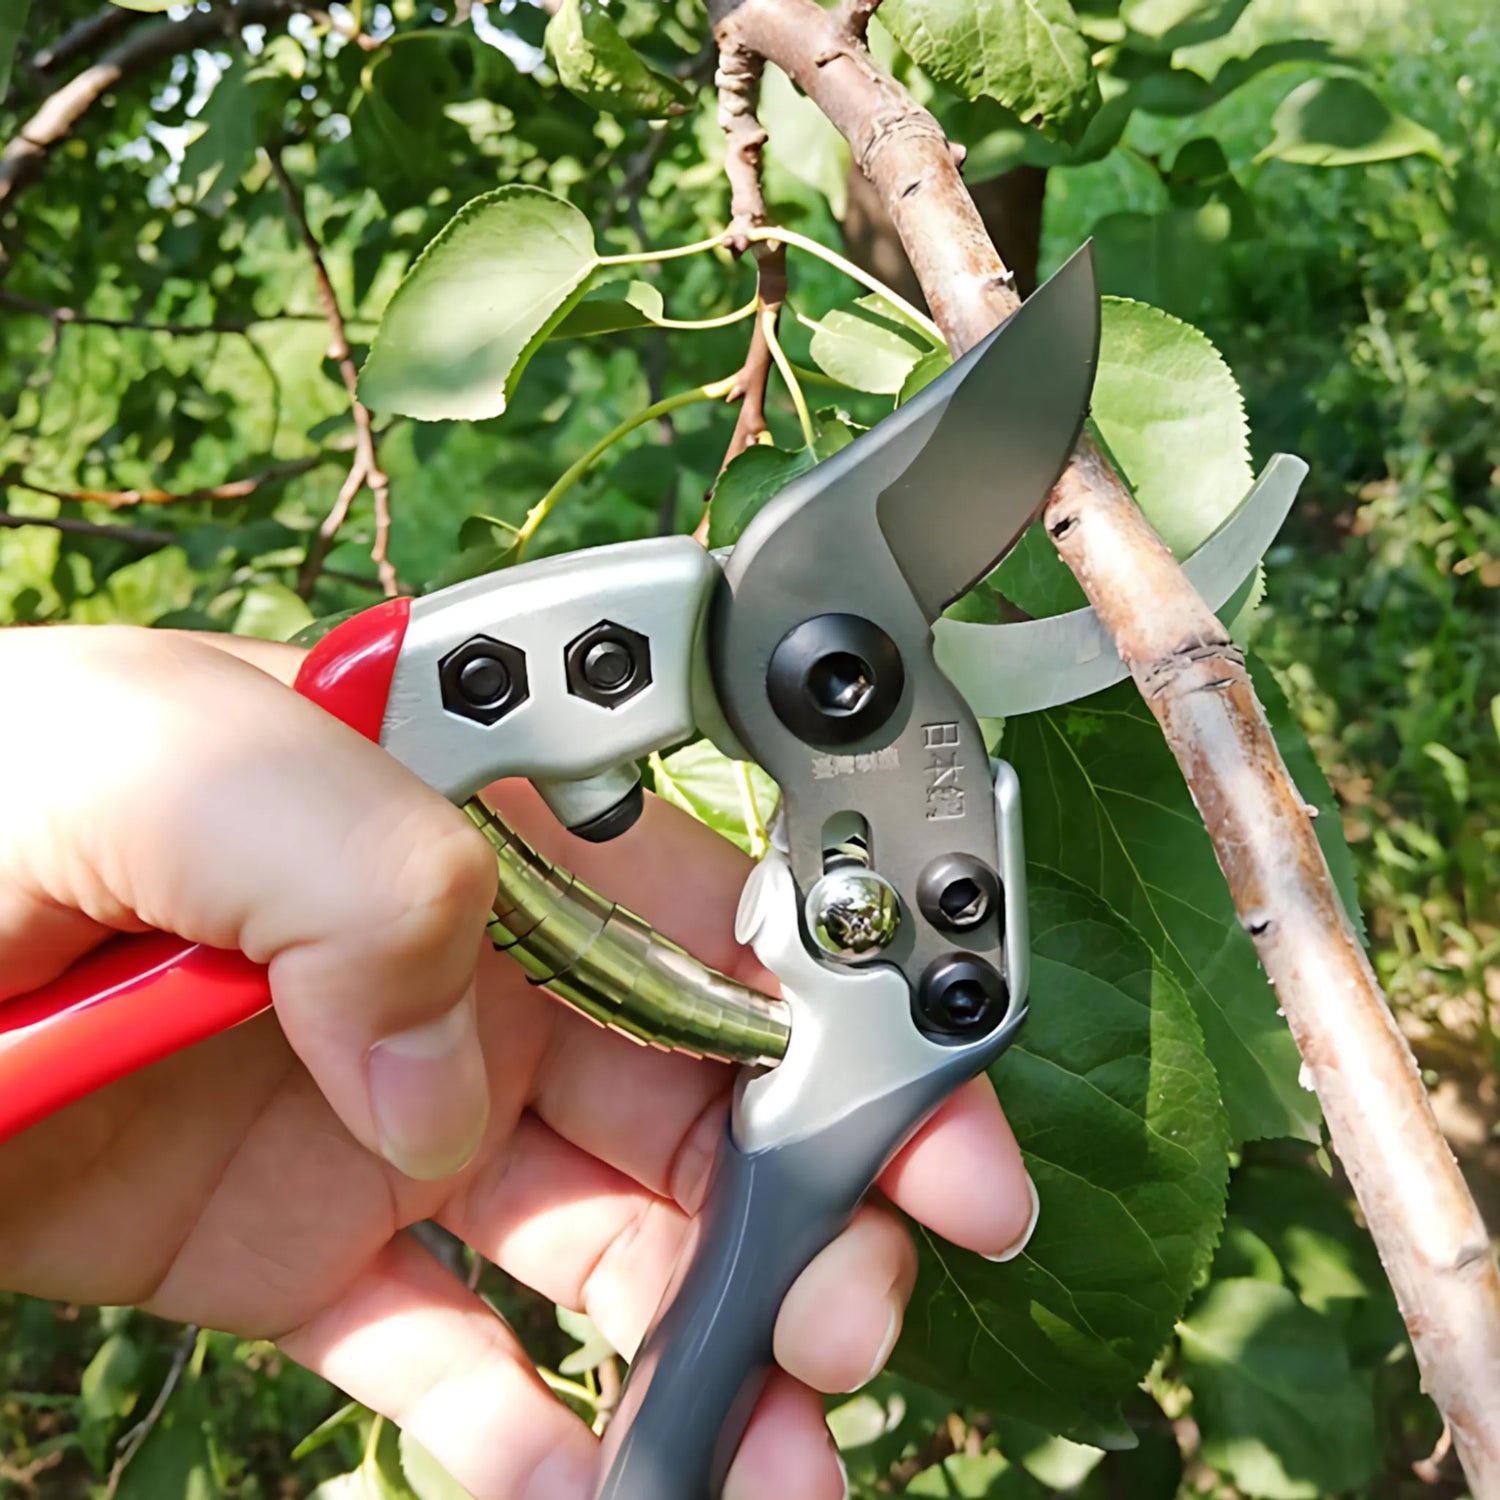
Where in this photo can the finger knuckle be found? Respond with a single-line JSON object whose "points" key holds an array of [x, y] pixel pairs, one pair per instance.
{"points": [[444, 882]]}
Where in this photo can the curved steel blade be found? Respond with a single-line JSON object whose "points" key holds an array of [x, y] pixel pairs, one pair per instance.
{"points": [[996, 431], [1034, 664]]}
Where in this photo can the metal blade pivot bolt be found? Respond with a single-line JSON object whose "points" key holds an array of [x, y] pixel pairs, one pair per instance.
{"points": [[960, 997], [835, 679], [957, 892], [853, 913]]}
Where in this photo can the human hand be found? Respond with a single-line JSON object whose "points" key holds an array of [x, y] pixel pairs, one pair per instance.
{"points": [[261, 1182]]}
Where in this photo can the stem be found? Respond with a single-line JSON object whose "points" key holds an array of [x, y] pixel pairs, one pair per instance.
{"points": [[802, 242], [784, 365], [724, 320], [647, 257], [560, 1385], [539, 512]]}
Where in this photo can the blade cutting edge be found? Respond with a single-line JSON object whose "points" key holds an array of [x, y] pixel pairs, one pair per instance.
{"points": [[1034, 664]]}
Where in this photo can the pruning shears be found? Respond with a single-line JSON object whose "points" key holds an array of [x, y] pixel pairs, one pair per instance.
{"points": [[892, 903]]}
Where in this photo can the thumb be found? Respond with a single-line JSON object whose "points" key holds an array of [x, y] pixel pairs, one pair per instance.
{"points": [[165, 783]]}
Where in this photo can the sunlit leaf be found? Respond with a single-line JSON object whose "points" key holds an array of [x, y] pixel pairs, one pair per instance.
{"points": [[1028, 54], [714, 789], [1171, 413], [749, 480], [151, 7], [1168, 24], [865, 348], [12, 23], [1105, 802], [612, 308], [595, 63], [1118, 1114], [477, 304], [1280, 1412], [1340, 122], [427, 1478], [802, 139]]}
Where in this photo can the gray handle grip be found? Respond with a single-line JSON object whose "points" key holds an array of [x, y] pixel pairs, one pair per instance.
{"points": [[696, 1380]]}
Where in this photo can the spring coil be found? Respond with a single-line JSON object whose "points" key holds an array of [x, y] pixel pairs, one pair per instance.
{"points": [[616, 969]]}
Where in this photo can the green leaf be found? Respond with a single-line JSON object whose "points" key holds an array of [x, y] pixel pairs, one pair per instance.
{"points": [[1340, 122], [426, 1477], [1281, 1413], [706, 783], [864, 347], [111, 1383], [476, 306], [923, 373], [177, 1457], [976, 1476], [749, 480], [12, 24], [1104, 801], [148, 7], [1165, 25], [1118, 1113], [1170, 412], [596, 64], [593, 1348], [272, 612], [348, 1415], [1170, 259], [1028, 54], [612, 308], [888, 1420], [833, 429], [802, 140]]}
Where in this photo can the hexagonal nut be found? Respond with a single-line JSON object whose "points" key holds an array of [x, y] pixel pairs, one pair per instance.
{"points": [[608, 664], [483, 679]]}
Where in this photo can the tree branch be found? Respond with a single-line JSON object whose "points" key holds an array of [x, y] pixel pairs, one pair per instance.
{"points": [[365, 472], [71, 317], [1423, 1220], [141, 49], [84, 36], [234, 489]]}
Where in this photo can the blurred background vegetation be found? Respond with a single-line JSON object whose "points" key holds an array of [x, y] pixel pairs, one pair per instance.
{"points": [[1358, 307]]}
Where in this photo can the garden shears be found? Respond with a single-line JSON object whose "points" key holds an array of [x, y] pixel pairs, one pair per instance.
{"points": [[891, 905]]}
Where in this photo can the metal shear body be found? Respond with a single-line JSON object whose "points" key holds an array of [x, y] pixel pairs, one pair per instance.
{"points": [[893, 908]]}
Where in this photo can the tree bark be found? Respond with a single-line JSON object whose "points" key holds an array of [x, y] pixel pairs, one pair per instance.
{"points": [[1429, 1234]]}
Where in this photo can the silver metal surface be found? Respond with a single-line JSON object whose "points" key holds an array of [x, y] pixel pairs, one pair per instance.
{"points": [[658, 588], [574, 803], [611, 966], [853, 913], [993, 441], [1028, 665]]}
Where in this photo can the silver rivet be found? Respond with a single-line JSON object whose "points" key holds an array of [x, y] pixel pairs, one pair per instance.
{"points": [[853, 913]]}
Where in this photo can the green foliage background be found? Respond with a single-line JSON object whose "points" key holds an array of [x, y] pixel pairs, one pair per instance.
{"points": [[1156, 1335]]}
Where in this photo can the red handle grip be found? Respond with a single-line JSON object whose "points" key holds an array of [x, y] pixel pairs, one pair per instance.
{"points": [[143, 997]]}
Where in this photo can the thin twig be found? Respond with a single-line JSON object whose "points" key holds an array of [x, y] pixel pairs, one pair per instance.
{"points": [[365, 472], [72, 317], [141, 49], [234, 489], [132, 536], [738, 79], [857, 14], [1421, 1215], [135, 1439], [84, 36]]}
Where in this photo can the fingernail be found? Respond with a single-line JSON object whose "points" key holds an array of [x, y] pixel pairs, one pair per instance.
{"points": [[1030, 1229], [892, 1333], [565, 1475], [430, 1095]]}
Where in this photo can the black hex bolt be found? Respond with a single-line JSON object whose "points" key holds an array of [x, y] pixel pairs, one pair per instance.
{"points": [[608, 664], [957, 892], [483, 679], [960, 997]]}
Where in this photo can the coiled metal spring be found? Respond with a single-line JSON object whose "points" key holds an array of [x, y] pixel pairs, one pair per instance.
{"points": [[615, 968]]}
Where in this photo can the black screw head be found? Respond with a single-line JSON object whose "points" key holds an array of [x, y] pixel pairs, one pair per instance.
{"points": [[957, 892], [483, 679], [835, 679], [960, 998], [608, 664]]}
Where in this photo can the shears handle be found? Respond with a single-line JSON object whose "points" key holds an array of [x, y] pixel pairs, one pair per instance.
{"points": [[141, 997]]}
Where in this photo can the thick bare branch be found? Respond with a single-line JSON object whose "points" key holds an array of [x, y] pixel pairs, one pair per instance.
{"points": [[1420, 1213], [365, 472], [141, 50]]}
